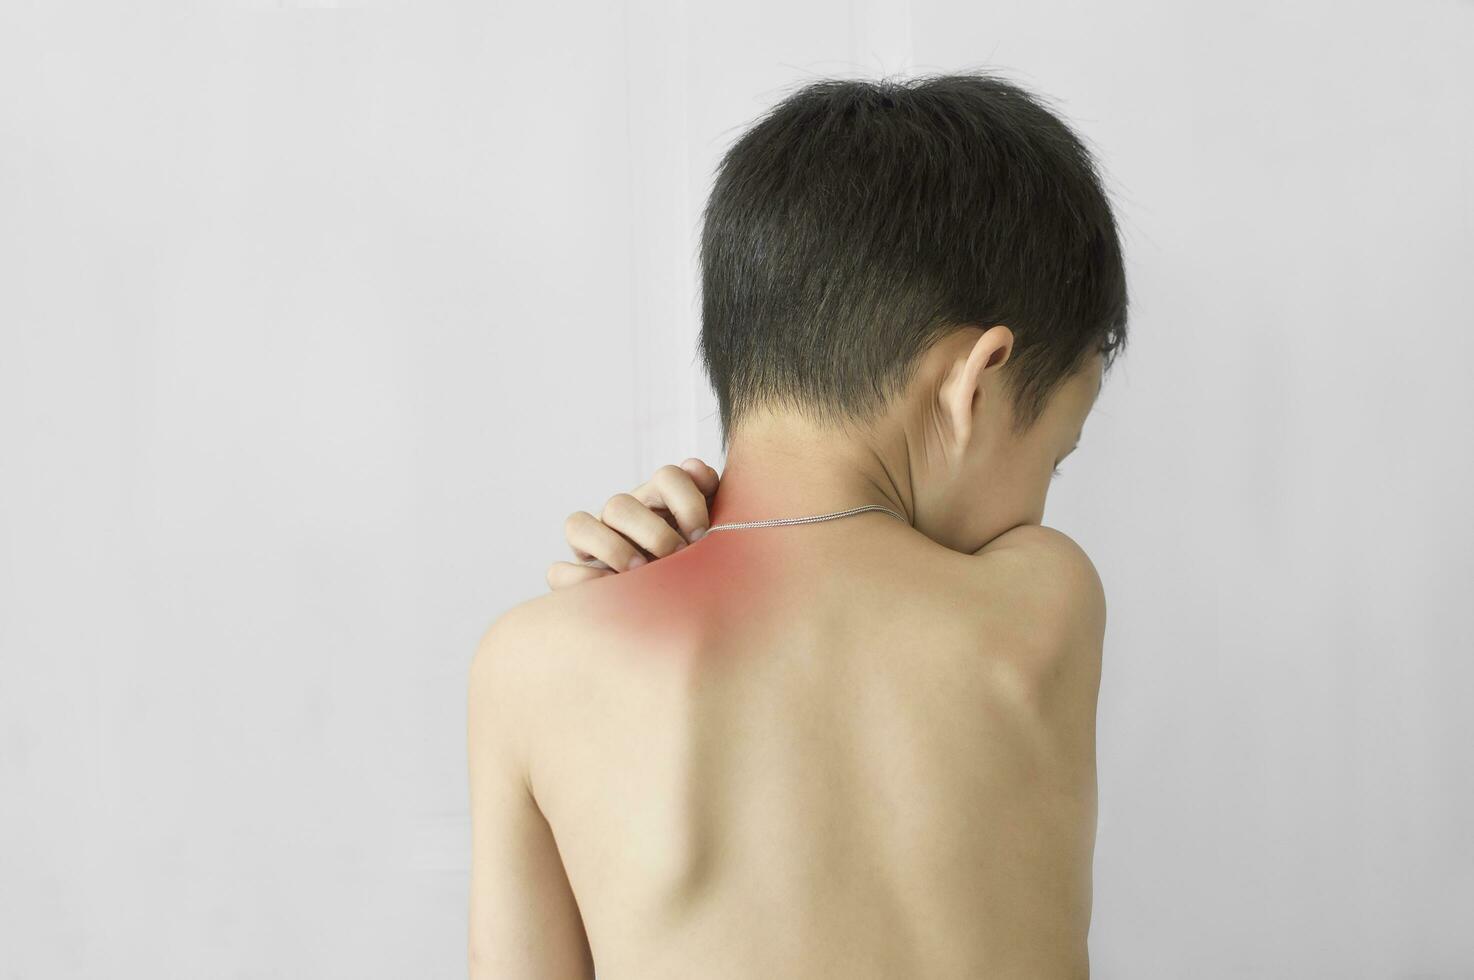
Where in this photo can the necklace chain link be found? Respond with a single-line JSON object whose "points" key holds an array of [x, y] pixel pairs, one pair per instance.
{"points": [[781, 521]]}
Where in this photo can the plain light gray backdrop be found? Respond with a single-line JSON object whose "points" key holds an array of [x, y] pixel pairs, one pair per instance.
{"points": [[317, 323]]}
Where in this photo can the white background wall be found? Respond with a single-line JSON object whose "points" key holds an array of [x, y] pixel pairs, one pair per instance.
{"points": [[316, 323]]}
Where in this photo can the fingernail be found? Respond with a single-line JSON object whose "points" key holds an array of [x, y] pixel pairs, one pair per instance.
{"points": [[635, 562], [696, 534]]}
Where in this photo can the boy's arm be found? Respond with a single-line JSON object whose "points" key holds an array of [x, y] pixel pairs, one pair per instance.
{"points": [[524, 920]]}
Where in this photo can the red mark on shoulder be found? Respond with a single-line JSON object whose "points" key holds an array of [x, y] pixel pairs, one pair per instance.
{"points": [[723, 580]]}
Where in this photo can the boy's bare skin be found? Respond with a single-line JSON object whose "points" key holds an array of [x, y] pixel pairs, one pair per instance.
{"points": [[837, 749]]}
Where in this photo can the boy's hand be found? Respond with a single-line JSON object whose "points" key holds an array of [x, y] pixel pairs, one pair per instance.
{"points": [[657, 518]]}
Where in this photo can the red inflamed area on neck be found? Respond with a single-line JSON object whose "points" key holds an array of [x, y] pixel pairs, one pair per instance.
{"points": [[724, 579]]}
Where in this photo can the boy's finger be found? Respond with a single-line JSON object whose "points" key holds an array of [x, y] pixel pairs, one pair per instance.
{"points": [[562, 574], [706, 478], [637, 522], [673, 489], [590, 537]]}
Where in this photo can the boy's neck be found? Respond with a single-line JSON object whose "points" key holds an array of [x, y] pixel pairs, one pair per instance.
{"points": [[788, 469]]}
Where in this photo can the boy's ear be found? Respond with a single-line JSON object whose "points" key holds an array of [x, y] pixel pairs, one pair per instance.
{"points": [[965, 391]]}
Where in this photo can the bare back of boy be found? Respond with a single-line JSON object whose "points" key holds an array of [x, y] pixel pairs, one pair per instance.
{"points": [[833, 750]]}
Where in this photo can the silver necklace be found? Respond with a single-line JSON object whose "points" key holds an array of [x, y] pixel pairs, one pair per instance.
{"points": [[777, 522]]}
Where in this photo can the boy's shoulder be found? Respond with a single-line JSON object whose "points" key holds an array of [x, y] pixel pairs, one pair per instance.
{"points": [[1046, 569]]}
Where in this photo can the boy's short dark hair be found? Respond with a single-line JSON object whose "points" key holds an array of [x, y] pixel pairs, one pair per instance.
{"points": [[857, 222]]}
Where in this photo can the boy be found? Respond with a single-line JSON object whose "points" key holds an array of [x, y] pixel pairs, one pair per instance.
{"points": [[849, 730]]}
